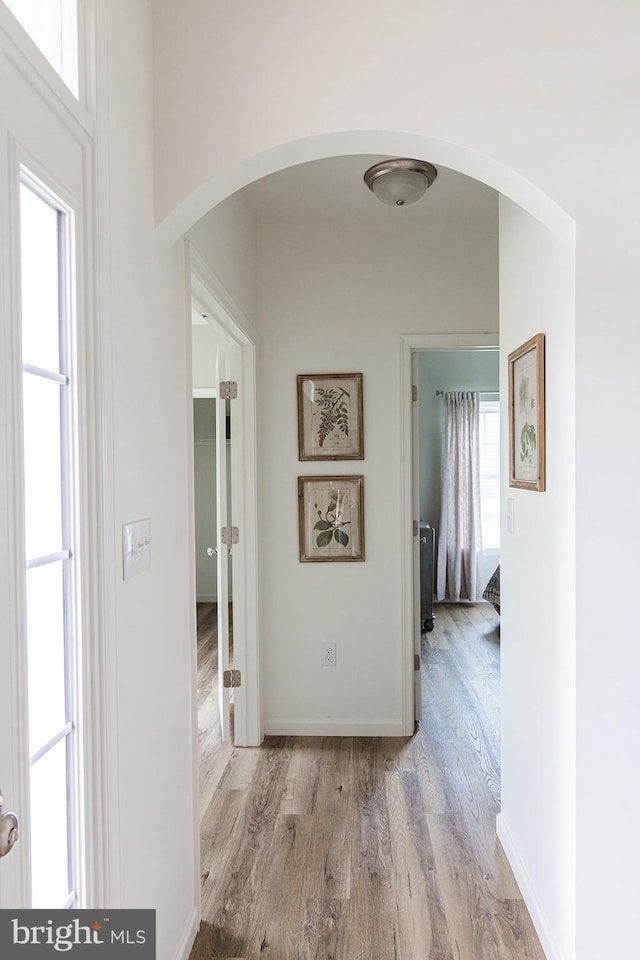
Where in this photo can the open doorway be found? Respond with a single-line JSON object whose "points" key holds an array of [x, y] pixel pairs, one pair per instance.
{"points": [[226, 685], [420, 479], [213, 557], [441, 372]]}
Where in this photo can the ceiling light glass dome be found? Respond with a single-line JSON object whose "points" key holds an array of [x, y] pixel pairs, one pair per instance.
{"points": [[401, 181]]}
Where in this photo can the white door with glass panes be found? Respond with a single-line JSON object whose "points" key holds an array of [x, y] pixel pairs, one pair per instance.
{"points": [[50, 581], [44, 598]]}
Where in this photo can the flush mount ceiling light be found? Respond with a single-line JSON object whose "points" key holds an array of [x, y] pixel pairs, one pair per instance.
{"points": [[401, 181]]}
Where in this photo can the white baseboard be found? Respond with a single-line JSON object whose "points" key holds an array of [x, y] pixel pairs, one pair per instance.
{"points": [[186, 940], [333, 728], [527, 890]]}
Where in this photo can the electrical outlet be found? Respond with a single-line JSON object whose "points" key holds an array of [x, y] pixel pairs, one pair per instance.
{"points": [[328, 654]]}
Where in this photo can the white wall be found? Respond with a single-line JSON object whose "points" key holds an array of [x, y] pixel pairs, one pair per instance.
{"points": [[537, 591], [143, 314], [335, 295], [226, 240], [225, 102], [545, 115]]}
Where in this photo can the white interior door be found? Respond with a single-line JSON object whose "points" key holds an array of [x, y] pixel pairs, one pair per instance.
{"points": [[238, 552], [415, 467], [223, 539], [238, 366]]}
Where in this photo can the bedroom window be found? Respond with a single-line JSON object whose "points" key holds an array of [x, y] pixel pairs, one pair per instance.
{"points": [[53, 27], [490, 472]]}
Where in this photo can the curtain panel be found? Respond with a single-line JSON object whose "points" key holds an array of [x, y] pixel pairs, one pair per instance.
{"points": [[460, 543]]}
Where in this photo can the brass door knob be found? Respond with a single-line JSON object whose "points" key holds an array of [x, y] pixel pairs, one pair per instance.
{"points": [[8, 830]]}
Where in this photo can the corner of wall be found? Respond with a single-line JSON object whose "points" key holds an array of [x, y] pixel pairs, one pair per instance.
{"points": [[527, 889], [189, 934]]}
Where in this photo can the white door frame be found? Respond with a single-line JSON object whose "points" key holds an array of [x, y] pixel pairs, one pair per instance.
{"points": [[409, 344], [247, 698], [63, 154]]}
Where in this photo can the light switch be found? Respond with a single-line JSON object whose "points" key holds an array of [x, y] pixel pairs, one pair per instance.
{"points": [[511, 515], [136, 548]]}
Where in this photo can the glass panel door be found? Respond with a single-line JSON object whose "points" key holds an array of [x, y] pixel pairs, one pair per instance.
{"points": [[52, 647]]}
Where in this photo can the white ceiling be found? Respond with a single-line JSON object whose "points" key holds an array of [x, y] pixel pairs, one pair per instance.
{"points": [[334, 187]]}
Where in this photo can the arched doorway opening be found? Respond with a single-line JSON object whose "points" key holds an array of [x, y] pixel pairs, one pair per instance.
{"points": [[535, 256]]}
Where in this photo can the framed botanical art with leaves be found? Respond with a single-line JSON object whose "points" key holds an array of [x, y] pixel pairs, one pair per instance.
{"points": [[331, 518], [527, 415], [330, 416]]}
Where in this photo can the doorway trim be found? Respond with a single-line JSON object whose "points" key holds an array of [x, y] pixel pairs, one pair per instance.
{"points": [[228, 316], [411, 343]]}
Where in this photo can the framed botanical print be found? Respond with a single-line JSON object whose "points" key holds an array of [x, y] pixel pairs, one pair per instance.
{"points": [[331, 518], [527, 415], [330, 416]]}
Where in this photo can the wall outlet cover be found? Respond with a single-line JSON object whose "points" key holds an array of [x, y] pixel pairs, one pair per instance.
{"points": [[328, 654]]}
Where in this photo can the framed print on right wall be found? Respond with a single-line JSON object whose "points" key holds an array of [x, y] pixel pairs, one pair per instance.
{"points": [[527, 415]]}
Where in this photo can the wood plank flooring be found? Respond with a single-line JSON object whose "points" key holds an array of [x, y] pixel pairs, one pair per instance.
{"points": [[213, 754], [372, 849]]}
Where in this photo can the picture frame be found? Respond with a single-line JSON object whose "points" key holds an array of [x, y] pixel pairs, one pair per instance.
{"points": [[331, 519], [330, 416], [527, 427]]}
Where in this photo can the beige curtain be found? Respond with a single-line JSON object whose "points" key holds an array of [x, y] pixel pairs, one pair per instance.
{"points": [[460, 540]]}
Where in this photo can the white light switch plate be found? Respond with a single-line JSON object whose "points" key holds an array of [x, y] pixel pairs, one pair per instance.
{"points": [[511, 515], [136, 548]]}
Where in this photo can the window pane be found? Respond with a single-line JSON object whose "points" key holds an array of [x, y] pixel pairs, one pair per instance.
{"points": [[53, 27], [42, 466], [39, 251], [49, 828], [490, 472], [48, 501], [45, 653]]}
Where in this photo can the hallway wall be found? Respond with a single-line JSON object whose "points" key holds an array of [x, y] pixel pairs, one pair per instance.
{"points": [[334, 295], [226, 241], [144, 366], [528, 99], [537, 590]]}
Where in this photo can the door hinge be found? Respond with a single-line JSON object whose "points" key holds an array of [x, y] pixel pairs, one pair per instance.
{"points": [[416, 528], [416, 661], [230, 535], [414, 393], [231, 678], [228, 390]]}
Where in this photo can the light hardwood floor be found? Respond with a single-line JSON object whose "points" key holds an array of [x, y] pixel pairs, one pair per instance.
{"points": [[212, 753], [371, 849]]}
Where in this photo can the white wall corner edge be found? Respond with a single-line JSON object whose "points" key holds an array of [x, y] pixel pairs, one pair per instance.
{"points": [[332, 728], [188, 935], [527, 890]]}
